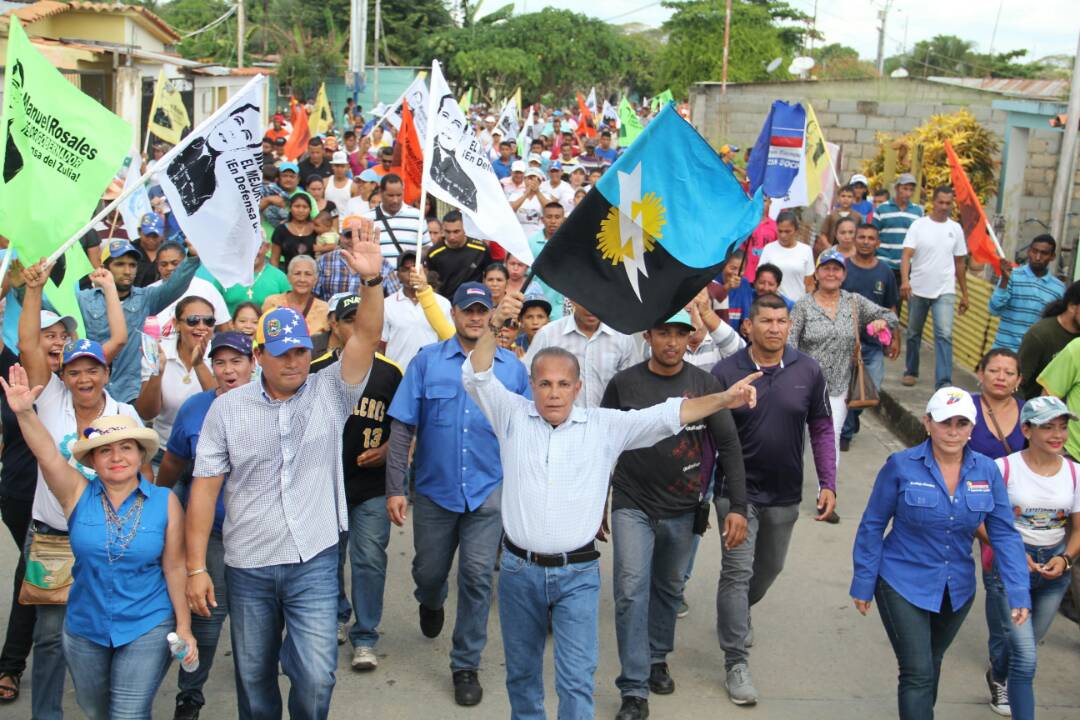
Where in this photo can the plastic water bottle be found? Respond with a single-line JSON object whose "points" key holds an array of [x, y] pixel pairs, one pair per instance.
{"points": [[151, 334], [179, 650]]}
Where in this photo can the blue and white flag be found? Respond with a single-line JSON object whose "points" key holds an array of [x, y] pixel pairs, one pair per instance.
{"points": [[778, 152]]}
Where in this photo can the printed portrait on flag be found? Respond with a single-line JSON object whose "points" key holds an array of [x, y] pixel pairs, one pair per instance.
{"points": [[194, 171], [13, 160], [446, 171]]}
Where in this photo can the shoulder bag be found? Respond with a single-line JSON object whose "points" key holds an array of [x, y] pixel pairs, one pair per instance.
{"points": [[861, 390], [48, 576]]}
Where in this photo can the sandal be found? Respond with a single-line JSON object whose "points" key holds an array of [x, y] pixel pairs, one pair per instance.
{"points": [[9, 693]]}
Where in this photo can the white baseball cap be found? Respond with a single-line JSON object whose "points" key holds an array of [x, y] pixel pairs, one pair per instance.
{"points": [[339, 158], [859, 179], [518, 166], [950, 402]]}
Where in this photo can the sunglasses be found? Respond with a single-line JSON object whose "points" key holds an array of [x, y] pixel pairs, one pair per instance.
{"points": [[194, 320]]}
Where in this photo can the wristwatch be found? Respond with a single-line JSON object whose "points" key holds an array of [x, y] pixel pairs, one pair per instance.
{"points": [[1067, 559], [372, 282]]}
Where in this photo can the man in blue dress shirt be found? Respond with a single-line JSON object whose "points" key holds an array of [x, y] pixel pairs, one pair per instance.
{"points": [[458, 483]]}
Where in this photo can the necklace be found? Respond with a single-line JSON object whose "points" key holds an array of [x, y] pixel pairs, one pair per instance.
{"points": [[96, 414], [117, 539], [251, 288]]}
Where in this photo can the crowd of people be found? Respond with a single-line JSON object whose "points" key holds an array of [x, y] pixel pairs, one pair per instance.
{"points": [[198, 452]]}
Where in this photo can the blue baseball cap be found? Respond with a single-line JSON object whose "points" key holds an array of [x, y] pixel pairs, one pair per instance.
{"points": [[680, 318], [76, 349], [369, 175], [118, 248], [287, 165], [237, 341], [555, 165], [152, 224], [1044, 408], [471, 293], [281, 330], [834, 256]]}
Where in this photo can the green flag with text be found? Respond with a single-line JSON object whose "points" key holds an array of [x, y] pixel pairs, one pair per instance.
{"points": [[59, 149], [629, 123]]}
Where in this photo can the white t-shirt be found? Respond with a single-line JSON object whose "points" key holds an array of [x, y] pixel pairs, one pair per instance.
{"points": [[177, 385], [406, 328], [199, 288], [936, 244], [1041, 505], [564, 194], [530, 214], [57, 413], [797, 264]]}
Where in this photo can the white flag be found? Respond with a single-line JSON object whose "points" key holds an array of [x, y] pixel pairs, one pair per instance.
{"points": [[508, 121], [610, 115], [137, 203], [417, 97], [213, 185], [457, 171], [590, 102]]}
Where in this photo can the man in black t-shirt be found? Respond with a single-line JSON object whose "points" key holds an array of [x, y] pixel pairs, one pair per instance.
{"points": [[315, 163], [458, 260], [655, 497], [364, 446]]}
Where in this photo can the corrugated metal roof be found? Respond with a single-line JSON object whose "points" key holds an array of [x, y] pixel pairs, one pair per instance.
{"points": [[1013, 87]]}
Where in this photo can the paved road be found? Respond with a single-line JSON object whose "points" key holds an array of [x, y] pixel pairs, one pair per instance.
{"points": [[814, 657]]}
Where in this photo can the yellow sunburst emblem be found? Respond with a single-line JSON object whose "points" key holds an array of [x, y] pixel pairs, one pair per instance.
{"points": [[648, 213]]}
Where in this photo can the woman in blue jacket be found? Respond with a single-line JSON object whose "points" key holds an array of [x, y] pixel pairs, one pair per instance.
{"points": [[922, 573]]}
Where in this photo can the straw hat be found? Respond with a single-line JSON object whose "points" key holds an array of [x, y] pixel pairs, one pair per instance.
{"points": [[110, 429]]}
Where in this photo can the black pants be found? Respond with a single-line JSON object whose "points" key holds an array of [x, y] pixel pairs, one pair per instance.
{"points": [[20, 627]]}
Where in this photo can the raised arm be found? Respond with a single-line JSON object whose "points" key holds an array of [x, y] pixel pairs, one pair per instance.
{"points": [[161, 296], [739, 394], [33, 357], [432, 312], [365, 260], [114, 313]]}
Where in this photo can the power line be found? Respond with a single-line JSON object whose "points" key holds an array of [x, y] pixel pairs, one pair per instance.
{"points": [[212, 24], [631, 12]]}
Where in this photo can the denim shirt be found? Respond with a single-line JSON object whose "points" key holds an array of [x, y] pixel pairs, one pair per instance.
{"points": [[928, 549], [457, 453], [113, 603], [126, 377]]}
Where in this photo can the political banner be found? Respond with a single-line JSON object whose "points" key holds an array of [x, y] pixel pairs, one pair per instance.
{"points": [[213, 186], [981, 243], [408, 161], [59, 149], [629, 123], [134, 206], [508, 121], [168, 116], [321, 116], [590, 102], [457, 171], [297, 142], [778, 152], [416, 95], [610, 115]]}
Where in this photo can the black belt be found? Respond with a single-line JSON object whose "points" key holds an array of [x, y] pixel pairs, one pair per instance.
{"points": [[585, 553]]}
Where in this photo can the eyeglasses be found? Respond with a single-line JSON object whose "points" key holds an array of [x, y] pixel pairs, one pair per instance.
{"points": [[194, 320]]}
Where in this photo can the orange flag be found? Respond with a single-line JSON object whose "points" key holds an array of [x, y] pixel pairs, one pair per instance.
{"points": [[585, 123], [408, 156], [982, 247], [297, 143]]}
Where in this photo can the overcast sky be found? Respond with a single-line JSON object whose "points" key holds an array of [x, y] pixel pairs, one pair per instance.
{"points": [[1044, 27]]}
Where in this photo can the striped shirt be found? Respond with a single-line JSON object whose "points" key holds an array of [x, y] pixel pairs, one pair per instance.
{"points": [[403, 226], [555, 479], [1020, 304], [600, 356], [284, 493], [892, 224]]}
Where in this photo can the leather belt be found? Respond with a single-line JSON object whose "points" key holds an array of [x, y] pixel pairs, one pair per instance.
{"points": [[585, 553]]}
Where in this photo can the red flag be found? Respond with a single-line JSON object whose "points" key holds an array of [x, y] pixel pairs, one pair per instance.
{"points": [[297, 143], [972, 217], [585, 125], [408, 160]]}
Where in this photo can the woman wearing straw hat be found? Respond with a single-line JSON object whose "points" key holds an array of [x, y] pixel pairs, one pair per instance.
{"points": [[127, 537]]}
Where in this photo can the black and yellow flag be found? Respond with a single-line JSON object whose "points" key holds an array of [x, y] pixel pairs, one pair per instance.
{"points": [[168, 116], [321, 116]]}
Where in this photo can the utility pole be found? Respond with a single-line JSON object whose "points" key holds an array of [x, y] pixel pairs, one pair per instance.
{"points": [[357, 46], [882, 15], [1063, 181], [241, 31], [378, 32], [727, 44]]}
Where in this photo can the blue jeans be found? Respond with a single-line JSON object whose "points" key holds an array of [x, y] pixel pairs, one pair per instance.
{"points": [[301, 599], [119, 683], [527, 593], [919, 638], [874, 361], [650, 561], [207, 631], [1014, 659], [344, 609], [941, 308], [48, 668], [369, 536], [437, 533]]}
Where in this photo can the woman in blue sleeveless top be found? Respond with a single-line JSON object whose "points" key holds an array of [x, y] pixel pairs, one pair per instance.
{"points": [[127, 537]]}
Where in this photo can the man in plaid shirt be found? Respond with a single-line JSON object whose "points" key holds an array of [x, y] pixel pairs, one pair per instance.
{"points": [[333, 274]]}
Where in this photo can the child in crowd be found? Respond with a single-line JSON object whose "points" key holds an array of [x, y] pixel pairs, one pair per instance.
{"points": [[535, 314], [845, 199], [326, 236], [245, 319], [881, 196]]}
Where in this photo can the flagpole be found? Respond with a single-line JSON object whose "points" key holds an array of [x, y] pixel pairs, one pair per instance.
{"points": [[429, 140], [163, 162], [6, 262]]}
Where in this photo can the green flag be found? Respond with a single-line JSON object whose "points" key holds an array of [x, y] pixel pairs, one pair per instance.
{"points": [[661, 100], [629, 123], [59, 149]]}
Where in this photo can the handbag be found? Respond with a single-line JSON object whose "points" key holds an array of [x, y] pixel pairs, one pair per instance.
{"points": [[49, 563], [861, 390]]}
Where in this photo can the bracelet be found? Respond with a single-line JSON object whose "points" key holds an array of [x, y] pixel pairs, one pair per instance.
{"points": [[193, 573], [372, 282], [1067, 559]]}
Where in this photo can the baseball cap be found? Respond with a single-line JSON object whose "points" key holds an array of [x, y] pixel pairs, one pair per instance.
{"points": [[280, 141], [832, 255], [471, 293], [151, 224], [855, 179], [535, 298], [49, 318], [518, 166], [288, 166], [729, 149], [76, 349], [346, 306], [535, 158], [950, 402], [680, 318], [574, 168], [332, 303], [370, 175], [281, 330], [489, 118], [1044, 408], [237, 341], [119, 247], [555, 165], [534, 172], [339, 158], [904, 179]]}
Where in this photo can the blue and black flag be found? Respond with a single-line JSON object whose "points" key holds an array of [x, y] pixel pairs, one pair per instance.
{"points": [[653, 231]]}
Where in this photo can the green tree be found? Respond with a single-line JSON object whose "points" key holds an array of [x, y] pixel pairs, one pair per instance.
{"points": [[218, 44], [950, 56], [840, 62]]}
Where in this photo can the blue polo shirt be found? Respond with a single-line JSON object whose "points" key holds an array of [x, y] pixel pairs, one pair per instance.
{"points": [[892, 224], [185, 438], [1020, 304], [928, 549], [502, 169], [457, 454]]}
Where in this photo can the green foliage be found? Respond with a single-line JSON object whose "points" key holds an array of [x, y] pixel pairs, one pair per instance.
{"points": [[217, 44], [308, 59], [950, 56], [840, 62]]}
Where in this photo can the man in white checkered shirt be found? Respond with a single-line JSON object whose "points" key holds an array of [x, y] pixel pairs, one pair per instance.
{"points": [[278, 441], [557, 459]]}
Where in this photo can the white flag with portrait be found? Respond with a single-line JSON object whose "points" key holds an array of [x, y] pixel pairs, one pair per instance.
{"points": [[457, 171], [213, 184], [137, 203], [508, 121], [417, 97]]}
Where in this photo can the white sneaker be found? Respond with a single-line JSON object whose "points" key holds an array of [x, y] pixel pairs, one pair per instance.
{"points": [[363, 658], [739, 686], [342, 633], [999, 695]]}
